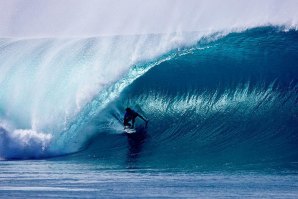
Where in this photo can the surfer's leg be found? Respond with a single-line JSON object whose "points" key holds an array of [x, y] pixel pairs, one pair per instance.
{"points": [[133, 122], [126, 123]]}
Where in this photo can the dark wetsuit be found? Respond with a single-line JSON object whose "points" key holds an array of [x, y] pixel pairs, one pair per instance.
{"points": [[130, 116]]}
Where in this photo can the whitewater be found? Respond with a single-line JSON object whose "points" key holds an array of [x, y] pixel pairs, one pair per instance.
{"points": [[217, 80]]}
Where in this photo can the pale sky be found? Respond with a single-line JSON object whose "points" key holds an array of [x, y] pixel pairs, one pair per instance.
{"points": [[83, 18]]}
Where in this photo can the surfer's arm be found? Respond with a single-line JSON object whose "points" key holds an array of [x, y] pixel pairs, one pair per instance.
{"points": [[142, 118]]}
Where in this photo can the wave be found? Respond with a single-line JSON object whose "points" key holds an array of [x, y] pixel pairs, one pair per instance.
{"points": [[232, 100], [56, 86], [228, 98], [30, 144]]}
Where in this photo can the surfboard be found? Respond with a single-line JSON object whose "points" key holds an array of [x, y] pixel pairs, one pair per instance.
{"points": [[129, 130]]}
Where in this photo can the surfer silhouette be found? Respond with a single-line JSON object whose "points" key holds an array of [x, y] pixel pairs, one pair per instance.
{"points": [[135, 140], [130, 115]]}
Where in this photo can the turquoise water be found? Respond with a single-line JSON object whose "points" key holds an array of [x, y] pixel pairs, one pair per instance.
{"points": [[233, 102], [223, 116]]}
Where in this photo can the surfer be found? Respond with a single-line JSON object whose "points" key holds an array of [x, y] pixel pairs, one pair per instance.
{"points": [[130, 115]]}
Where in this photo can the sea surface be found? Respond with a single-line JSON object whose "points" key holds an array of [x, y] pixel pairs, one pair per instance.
{"points": [[222, 110], [71, 179]]}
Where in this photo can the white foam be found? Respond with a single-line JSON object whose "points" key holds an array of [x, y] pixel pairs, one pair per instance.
{"points": [[23, 143]]}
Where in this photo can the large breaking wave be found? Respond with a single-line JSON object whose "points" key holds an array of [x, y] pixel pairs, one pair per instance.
{"points": [[213, 99], [228, 101]]}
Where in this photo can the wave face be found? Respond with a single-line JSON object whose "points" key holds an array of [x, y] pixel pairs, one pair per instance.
{"points": [[229, 101], [226, 99]]}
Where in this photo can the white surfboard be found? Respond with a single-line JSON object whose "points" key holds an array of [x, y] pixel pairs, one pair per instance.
{"points": [[129, 130]]}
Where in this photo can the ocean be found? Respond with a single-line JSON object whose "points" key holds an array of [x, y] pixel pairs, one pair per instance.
{"points": [[222, 110]]}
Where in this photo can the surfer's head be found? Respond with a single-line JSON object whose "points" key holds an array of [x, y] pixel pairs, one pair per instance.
{"points": [[128, 109]]}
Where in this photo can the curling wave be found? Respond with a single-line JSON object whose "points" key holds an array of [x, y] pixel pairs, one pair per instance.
{"points": [[227, 101], [224, 99]]}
